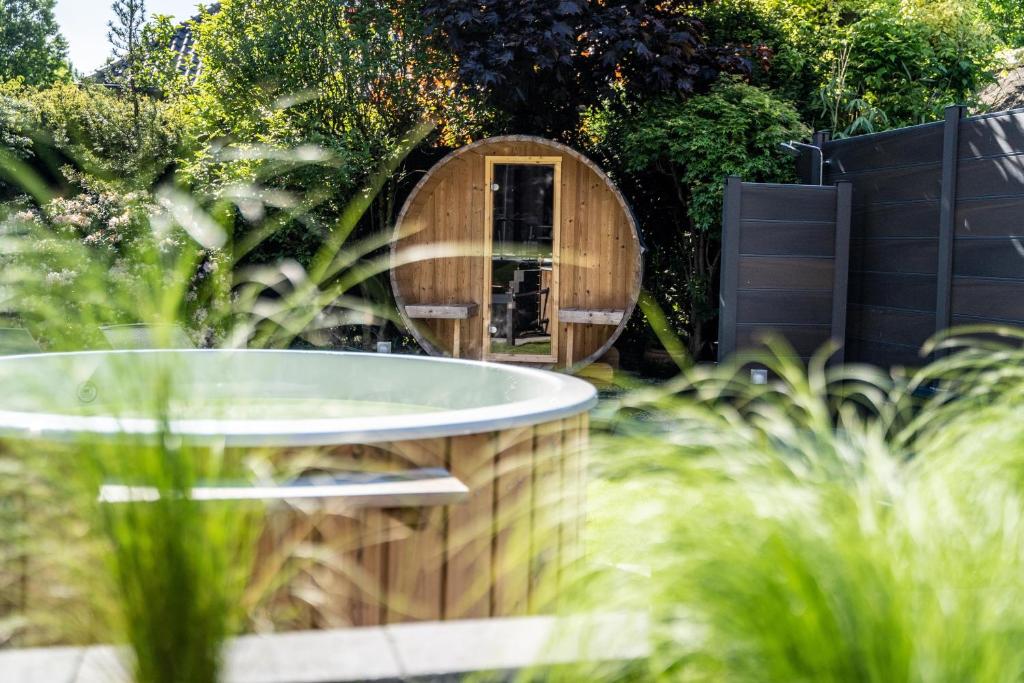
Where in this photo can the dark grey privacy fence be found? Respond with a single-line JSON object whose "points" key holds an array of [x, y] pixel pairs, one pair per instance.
{"points": [[937, 230], [784, 265]]}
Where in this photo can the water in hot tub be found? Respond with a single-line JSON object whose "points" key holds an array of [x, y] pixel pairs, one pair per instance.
{"points": [[261, 408]]}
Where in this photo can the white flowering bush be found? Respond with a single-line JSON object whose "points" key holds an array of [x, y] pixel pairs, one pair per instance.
{"points": [[106, 251]]}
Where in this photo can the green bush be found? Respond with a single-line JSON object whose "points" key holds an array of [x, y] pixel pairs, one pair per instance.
{"points": [[690, 146], [92, 129], [910, 60], [31, 47], [1007, 18], [313, 93], [856, 66]]}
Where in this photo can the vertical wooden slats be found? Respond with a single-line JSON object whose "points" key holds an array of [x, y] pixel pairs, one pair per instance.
{"points": [[415, 586], [470, 532], [500, 553], [512, 508], [546, 515], [599, 251]]}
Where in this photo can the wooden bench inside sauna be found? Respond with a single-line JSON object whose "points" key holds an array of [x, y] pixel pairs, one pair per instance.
{"points": [[516, 249]]}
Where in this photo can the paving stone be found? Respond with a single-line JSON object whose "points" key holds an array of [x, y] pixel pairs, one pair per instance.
{"points": [[103, 664], [516, 643], [40, 665], [337, 656]]}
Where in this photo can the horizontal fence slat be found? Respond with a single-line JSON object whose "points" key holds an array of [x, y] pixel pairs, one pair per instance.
{"points": [[990, 177], [893, 290], [964, 320], [894, 256], [777, 202], [895, 184], [799, 239], [903, 221], [889, 325], [805, 339], [995, 217], [775, 272], [883, 355], [785, 307], [778, 275], [1002, 258], [990, 136], [921, 144], [988, 298]]}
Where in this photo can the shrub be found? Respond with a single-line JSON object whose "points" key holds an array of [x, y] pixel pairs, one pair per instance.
{"points": [[92, 130], [911, 59], [570, 54], [314, 94], [1007, 18], [688, 147], [855, 66]]}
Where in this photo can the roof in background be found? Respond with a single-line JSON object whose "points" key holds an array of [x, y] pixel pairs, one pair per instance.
{"points": [[182, 44], [1008, 91]]}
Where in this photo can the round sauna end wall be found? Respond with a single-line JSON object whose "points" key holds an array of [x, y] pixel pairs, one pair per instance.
{"points": [[516, 249]]}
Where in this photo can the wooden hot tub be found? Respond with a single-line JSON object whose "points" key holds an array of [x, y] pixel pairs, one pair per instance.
{"points": [[480, 507]]}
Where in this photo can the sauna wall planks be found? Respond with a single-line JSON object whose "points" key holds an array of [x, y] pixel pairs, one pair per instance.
{"points": [[600, 254], [785, 254]]}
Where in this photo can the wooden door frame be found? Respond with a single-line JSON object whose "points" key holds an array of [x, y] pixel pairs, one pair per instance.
{"points": [[556, 229]]}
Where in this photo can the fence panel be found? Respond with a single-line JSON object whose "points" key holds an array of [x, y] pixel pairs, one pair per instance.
{"points": [[937, 231], [785, 251]]}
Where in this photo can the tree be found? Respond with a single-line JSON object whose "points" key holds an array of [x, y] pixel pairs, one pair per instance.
{"points": [[342, 81], [541, 63], [126, 41], [91, 129], [858, 66], [1007, 19], [31, 47], [677, 151]]}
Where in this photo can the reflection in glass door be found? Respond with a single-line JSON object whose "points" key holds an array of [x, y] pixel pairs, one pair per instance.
{"points": [[523, 236]]}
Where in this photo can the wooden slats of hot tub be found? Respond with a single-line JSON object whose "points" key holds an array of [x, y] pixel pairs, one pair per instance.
{"points": [[499, 553]]}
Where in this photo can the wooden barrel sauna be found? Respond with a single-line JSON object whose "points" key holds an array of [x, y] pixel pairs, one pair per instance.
{"points": [[516, 249]]}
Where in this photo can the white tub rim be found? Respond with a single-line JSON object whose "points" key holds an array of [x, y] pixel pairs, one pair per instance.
{"points": [[565, 397]]}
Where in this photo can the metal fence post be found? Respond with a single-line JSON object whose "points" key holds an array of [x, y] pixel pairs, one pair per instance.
{"points": [[947, 216], [730, 267], [841, 263]]}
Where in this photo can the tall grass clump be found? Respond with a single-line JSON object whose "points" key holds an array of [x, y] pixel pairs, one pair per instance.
{"points": [[838, 524], [167, 575]]}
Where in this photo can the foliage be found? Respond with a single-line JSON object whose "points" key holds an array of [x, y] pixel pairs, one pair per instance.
{"points": [[830, 526], [782, 59], [174, 570], [31, 47], [572, 53], [735, 129], [341, 83], [92, 129], [126, 40], [1007, 18], [856, 66], [158, 72], [911, 59]]}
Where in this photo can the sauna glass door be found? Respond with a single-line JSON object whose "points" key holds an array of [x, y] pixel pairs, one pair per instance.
{"points": [[523, 217]]}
